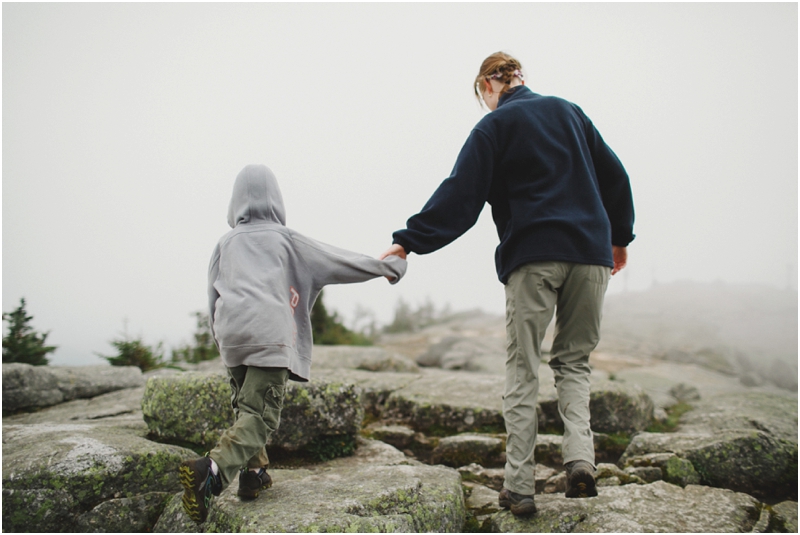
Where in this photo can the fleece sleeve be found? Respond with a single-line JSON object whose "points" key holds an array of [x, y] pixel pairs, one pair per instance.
{"points": [[456, 204], [331, 265], [615, 187], [213, 295]]}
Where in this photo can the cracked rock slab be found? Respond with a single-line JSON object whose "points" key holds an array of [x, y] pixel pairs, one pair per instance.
{"points": [[657, 507], [377, 489]]}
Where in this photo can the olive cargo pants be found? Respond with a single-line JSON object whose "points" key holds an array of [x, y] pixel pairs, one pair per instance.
{"points": [[257, 399], [533, 292]]}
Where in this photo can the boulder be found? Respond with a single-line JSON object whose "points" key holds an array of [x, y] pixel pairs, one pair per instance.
{"points": [[746, 461], [55, 472], [468, 448], [373, 359], [482, 502], [125, 515], [637, 509], [439, 403], [377, 489], [784, 517], [467, 353], [31, 387], [774, 413], [745, 442], [194, 408]]}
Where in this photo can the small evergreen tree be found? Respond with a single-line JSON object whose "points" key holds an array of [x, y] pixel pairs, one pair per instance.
{"points": [[23, 344], [204, 347], [328, 330], [134, 352]]}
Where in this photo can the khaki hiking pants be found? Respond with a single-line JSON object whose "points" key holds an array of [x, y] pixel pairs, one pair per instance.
{"points": [[533, 293], [257, 399]]}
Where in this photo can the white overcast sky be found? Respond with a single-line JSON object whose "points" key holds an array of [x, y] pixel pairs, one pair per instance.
{"points": [[124, 126]]}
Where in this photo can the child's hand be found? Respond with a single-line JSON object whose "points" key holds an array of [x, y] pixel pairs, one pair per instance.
{"points": [[396, 249]]}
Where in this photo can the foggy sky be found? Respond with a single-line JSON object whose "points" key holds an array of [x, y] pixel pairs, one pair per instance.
{"points": [[124, 126]]}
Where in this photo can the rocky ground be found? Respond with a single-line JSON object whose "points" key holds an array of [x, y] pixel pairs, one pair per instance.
{"points": [[405, 437]]}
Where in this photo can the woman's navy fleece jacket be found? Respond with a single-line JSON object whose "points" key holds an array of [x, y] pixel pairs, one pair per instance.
{"points": [[557, 191]]}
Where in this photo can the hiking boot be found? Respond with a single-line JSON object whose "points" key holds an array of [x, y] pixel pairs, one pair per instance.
{"points": [[520, 504], [251, 483], [199, 483], [580, 480]]}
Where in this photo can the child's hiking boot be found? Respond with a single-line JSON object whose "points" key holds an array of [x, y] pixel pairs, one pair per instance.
{"points": [[580, 480], [251, 483], [520, 504], [199, 483]]}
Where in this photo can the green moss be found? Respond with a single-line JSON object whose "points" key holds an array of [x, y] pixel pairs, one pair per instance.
{"points": [[674, 414]]}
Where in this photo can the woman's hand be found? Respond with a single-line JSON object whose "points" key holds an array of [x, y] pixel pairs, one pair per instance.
{"points": [[620, 258], [396, 249]]}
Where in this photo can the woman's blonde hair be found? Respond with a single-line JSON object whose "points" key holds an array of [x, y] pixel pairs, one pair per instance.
{"points": [[499, 66]]}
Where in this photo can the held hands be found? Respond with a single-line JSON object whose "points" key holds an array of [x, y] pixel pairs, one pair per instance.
{"points": [[395, 249], [620, 258]]}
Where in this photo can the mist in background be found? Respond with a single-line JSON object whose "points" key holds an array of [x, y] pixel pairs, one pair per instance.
{"points": [[124, 126]]}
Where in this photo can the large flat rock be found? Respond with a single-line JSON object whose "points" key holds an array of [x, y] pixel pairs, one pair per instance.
{"points": [[32, 387], [54, 472], [377, 489], [657, 507]]}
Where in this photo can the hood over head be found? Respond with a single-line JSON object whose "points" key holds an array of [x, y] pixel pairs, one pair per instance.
{"points": [[256, 197]]}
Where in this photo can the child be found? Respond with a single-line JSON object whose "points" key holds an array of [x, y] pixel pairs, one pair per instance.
{"points": [[263, 280]]}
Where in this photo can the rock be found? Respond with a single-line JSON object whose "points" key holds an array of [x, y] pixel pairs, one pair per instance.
{"points": [[772, 413], [556, 484], [37, 510], [467, 448], [468, 353], [58, 471], [123, 407], [616, 408], [619, 408], [125, 515], [489, 477], [29, 387], [399, 436], [611, 471], [80, 382], [377, 489], [680, 472], [684, 393], [637, 509], [783, 374], [784, 517], [26, 386], [374, 359], [745, 442], [541, 475], [375, 387], [436, 405], [482, 500], [548, 450], [194, 408], [648, 474], [746, 461]]}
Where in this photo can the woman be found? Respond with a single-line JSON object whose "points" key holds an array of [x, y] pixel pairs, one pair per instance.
{"points": [[562, 204]]}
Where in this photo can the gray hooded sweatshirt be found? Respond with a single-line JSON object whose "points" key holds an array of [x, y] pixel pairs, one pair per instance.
{"points": [[264, 278]]}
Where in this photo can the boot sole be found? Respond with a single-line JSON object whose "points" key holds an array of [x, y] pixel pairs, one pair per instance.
{"points": [[581, 485], [523, 509], [190, 505]]}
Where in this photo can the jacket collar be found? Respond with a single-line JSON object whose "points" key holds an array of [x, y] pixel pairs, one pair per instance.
{"points": [[520, 91]]}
